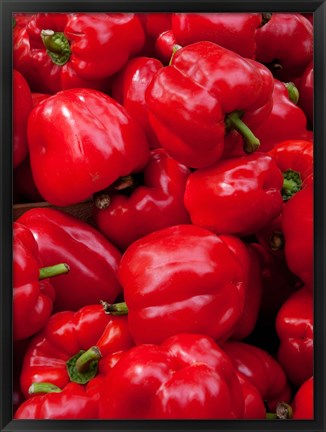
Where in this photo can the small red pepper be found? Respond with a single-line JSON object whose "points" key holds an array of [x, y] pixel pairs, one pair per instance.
{"points": [[187, 377], [237, 196], [194, 100], [155, 204], [93, 142], [306, 90], [294, 326], [303, 402], [93, 260], [33, 294]]}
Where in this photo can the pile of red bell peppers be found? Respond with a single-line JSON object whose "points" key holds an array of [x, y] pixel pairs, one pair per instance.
{"points": [[189, 295]]}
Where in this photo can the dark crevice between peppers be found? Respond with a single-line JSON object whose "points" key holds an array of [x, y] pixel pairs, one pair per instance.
{"points": [[265, 18], [57, 46]]}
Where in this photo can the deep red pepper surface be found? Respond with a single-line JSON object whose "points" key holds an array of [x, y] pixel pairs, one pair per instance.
{"points": [[96, 46], [94, 142], [306, 90], [182, 279], [24, 184], [303, 402], [236, 196], [156, 204], [164, 381], [155, 23], [188, 101], [294, 325], [93, 260], [254, 404]]}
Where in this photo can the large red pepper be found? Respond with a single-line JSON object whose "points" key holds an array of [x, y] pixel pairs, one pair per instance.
{"points": [[56, 51], [306, 90], [254, 404], [93, 260], [22, 106], [129, 89], [182, 279], [93, 141], [165, 381], [33, 294], [236, 196], [194, 100], [261, 370], [75, 347], [155, 204], [294, 326], [303, 402]]}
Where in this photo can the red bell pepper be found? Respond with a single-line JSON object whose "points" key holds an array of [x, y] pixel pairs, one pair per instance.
{"points": [[129, 87], [181, 279], [93, 142], [294, 326], [303, 402], [165, 46], [286, 44], [93, 260], [75, 347], [156, 204], [194, 100], [21, 19], [33, 294], [254, 404], [22, 106], [155, 23], [57, 51], [306, 89], [236, 196], [39, 97], [187, 377], [261, 370]]}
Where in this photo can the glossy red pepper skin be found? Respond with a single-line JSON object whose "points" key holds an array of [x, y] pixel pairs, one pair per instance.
{"points": [[155, 23], [237, 196], [188, 101], [163, 382], [261, 370], [22, 106], [294, 326], [303, 402], [129, 88], [65, 335], [254, 404], [97, 45], [182, 279], [93, 260], [93, 142], [297, 228], [164, 45], [156, 204], [287, 39], [306, 90]]}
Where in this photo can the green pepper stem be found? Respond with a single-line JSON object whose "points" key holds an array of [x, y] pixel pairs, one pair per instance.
{"points": [[271, 416], [56, 270], [115, 308], [175, 48], [40, 387], [102, 200], [57, 46], [251, 143], [87, 357], [292, 184], [293, 92], [284, 411]]}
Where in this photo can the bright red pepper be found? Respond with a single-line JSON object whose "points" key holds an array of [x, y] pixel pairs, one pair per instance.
{"points": [[286, 43], [93, 260], [22, 106], [294, 326], [165, 381], [57, 51], [236, 196], [306, 90], [93, 141], [32, 296], [261, 370], [129, 87], [21, 19], [75, 347], [165, 45], [192, 102], [303, 402], [155, 23], [155, 204], [39, 97], [254, 404]]}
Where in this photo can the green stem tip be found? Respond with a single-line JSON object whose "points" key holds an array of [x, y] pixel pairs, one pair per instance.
{"points": [[56, 270], [293, 92], [57, 46], [233, 121], [292, 184], [115, 308], [40, 387]]}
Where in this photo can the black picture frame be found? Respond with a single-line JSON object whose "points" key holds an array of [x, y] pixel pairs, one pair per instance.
{"points": [[7, 7]]}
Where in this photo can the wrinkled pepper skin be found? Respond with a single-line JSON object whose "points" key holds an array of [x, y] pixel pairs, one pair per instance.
{"points": [[156, 204], [260, 369], [164, 381], [189, 100], [294, 326], [182, 279], [286, 43], [22, 106], [84, 51], [93, 260], [306, 90], [93, 142], [303, 402], [236, 196], [65, 335], [129, 89]]}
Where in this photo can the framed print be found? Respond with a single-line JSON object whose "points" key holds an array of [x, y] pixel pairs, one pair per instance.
{"points": [[162, 216]]}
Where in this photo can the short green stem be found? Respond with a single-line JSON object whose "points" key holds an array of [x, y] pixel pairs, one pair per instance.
{"points": [[115, 308], [292, 184], [293, 92], [87, 357], [102, 200], [83, 366], [284, 411], [233, 121], [57, 46], [56, 270], [271, 416], [40, 387], [175, 48]]}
